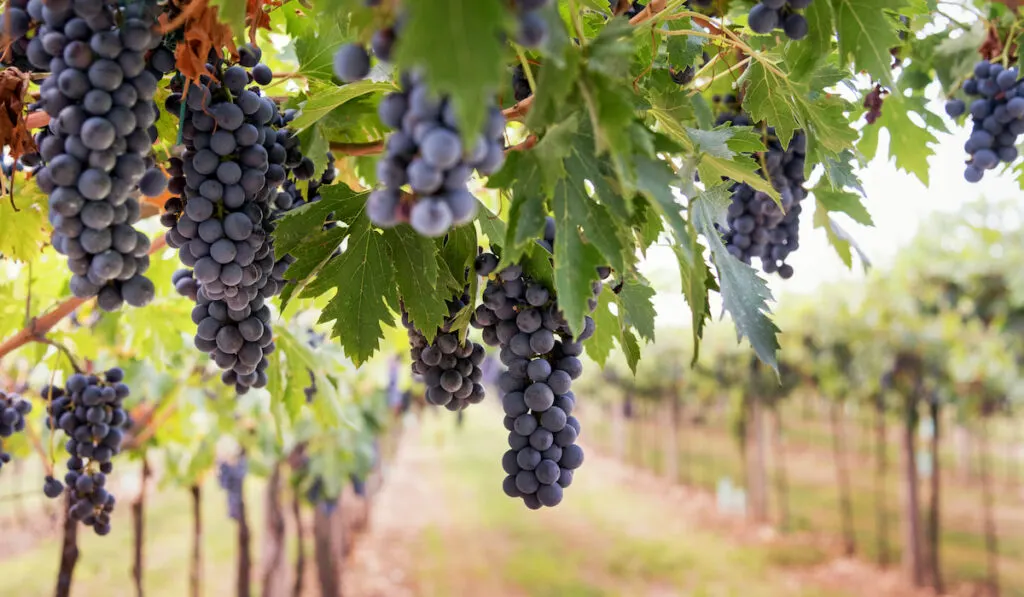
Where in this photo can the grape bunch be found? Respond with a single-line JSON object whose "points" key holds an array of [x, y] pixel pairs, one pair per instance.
{"points": [[352, 61], [768, 15], [231, 478], [185, 284], [522, 317], [426, 153], [520, 84], [450, 369], [757, 227], [533, 27], [18, 25], [13, 409], [97, 146], [221, 217], [997, 115], [90, 411]]}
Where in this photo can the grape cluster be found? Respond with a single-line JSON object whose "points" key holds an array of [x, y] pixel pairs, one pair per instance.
{"points": [[533, 27], [90, 411], [768, 15], [13, 409], [221, 219], [97, 146], [997, 114], [18, 25], [757, 227], [426, 153], [522, 317], [450, 369], [231, 478], [352, 61], [520, 84]]}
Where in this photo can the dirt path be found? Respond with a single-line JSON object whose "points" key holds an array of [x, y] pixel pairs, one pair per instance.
{"points": [[439, 528]]}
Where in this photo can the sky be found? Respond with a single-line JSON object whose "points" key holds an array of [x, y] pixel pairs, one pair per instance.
{"points": [[898, 203]]}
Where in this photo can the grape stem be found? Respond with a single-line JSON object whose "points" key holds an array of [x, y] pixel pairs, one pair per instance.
{"points": [[62, 348], [38, 328], [526, 67]]}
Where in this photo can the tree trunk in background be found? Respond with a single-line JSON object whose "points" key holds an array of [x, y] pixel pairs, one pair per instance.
{"points": [[1013, 458], [328, 557], [988, 507], [138, 524], [912, 560], [781, 476], [620, 435], [273, 576], [934, 559], [842, 477], [963, 442], [300, 556], [881, 471], [757, 469], [244, 580], [668, 425], [195, 572], [68, 552]]}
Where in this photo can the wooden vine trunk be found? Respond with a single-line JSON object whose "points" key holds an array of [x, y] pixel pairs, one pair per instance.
{"points": [[139, 525], [842, 477], [68, 552], [273, 575], [195, 572], [912, 556]]}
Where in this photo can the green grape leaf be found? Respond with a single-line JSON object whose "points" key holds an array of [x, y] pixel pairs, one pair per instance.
{"points": [[294, 228], [315, 44], [315, 146], [606, 327], [843, 201], [866, 33], [577, 262], [744, 295], [414, 261], [683, 50], [491, 225], [527, 211], [824, 222], [789, 105], [636, 308], [313, 253], [630, 348], [470, 67], [23, 224], [804, 56], [324, 99], [910, 144], [364, 283]]}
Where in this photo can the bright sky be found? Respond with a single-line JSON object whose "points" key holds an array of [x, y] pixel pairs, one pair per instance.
{"points": [[898, 202]]}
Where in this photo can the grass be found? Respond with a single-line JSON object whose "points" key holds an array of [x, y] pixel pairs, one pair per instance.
{"points": [[605, 540], [711, 454], [612, 536]]}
